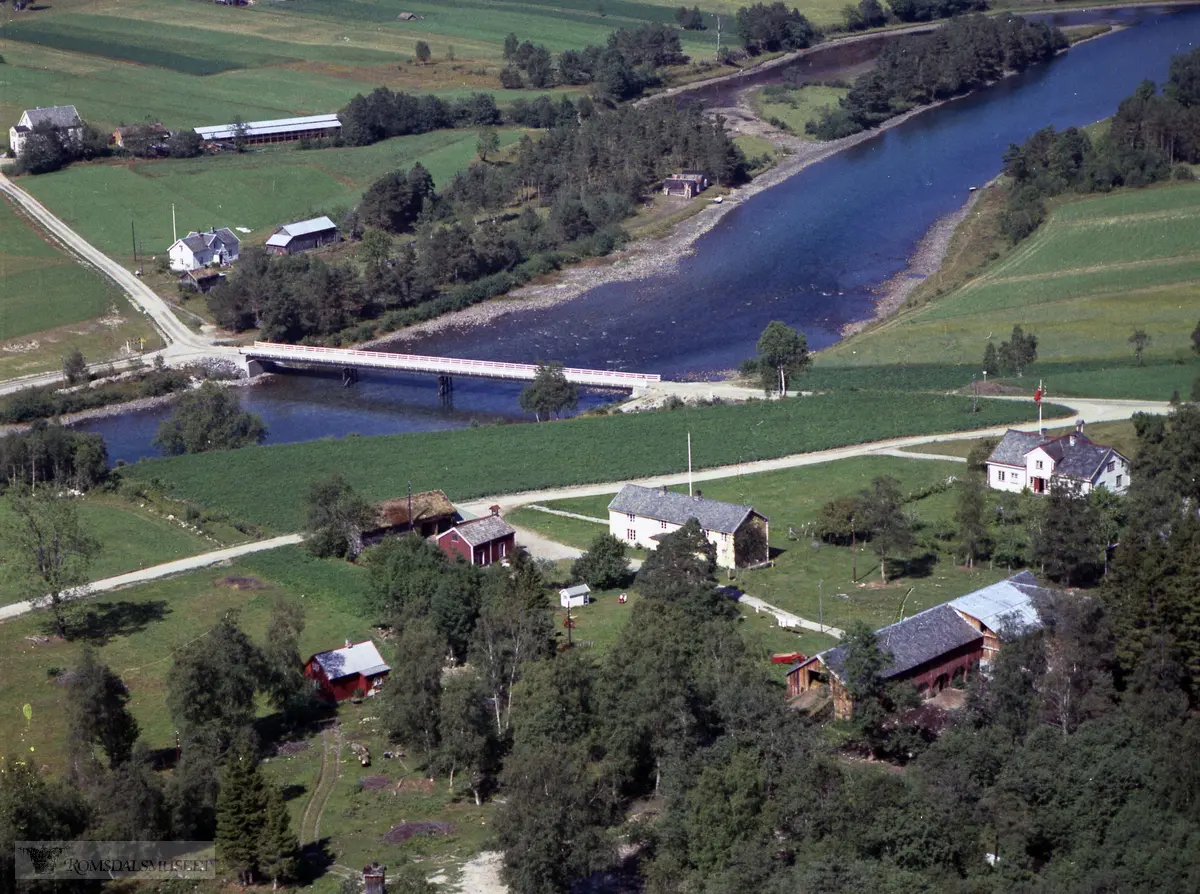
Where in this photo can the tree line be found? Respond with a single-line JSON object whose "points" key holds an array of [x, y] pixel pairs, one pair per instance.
{"points": [[962, 55], [1151, 132], [586, 173]]}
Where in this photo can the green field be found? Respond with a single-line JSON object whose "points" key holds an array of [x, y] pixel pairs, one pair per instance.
{"points": [[1099, 268], [41, 286], [266, 485], [257, 190], [795, 106], [130, 538]]}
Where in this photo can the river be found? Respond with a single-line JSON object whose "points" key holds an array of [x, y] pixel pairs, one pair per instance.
{"points": [[808, 252]]}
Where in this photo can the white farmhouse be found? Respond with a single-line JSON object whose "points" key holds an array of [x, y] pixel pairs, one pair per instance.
{"points": [[1034, 459], [62, 118], [197, 250], [644, 515]]}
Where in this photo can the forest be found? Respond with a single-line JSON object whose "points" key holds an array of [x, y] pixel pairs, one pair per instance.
{"points": [[1154, 135], [964, 54], [586, 174]]}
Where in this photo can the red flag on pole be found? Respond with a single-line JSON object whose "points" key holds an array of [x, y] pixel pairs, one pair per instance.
{"points": [[1037, 395]]}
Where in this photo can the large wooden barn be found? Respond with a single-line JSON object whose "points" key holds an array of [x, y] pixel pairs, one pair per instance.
{"points": [[935, 647]]}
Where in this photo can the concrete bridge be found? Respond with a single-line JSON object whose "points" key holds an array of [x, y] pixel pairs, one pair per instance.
{"points": [[350, 361]]}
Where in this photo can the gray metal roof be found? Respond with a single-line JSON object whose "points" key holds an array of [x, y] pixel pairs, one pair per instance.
{"points": [[357, 658], [1013, 446], [676, 508], [479, 531], [200, 241], [304, 227], [1006, 607], [269, 128], [56, 116], [914, 641], [577, 590]]}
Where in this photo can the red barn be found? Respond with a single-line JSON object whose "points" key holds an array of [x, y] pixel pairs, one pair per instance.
{"points": [[480, 541], [356, 669]]}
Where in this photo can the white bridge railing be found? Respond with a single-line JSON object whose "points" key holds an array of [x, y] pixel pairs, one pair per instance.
{"points": [[446, 366]]}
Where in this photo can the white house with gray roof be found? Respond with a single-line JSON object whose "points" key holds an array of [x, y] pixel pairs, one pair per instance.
{"points": [[196, 250], [642, 516], [62, 118], [1034, 459]]}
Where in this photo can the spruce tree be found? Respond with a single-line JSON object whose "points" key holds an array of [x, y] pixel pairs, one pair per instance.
{"points": [[241, 814], [279, 848], [97, 713]]}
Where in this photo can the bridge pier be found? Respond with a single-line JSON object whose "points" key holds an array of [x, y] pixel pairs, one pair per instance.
{"points": [[253, 368], [445, 390], [349, 376]]}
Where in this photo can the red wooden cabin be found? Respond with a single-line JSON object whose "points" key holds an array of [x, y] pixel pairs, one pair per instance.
{"points": [[354, 670]]}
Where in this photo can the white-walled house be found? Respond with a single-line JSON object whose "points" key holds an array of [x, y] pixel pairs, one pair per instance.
{"points": [[641, 516], [61, 118], [1034, 459], [197, 250]]}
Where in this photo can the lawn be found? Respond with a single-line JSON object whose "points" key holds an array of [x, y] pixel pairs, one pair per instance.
{"points": [[131, 537], [259, 190], [41, 286], [794, 107], [792, 499], [1098, 269], [265, 485]]}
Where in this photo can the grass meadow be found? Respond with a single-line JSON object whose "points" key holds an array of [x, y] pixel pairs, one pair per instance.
{"points": [[259, 190], [795, 106], [1099, 268], [130, 538], [266, 485]]}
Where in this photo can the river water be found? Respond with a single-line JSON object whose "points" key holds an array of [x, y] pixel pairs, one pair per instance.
{"points": [[808, 252]]}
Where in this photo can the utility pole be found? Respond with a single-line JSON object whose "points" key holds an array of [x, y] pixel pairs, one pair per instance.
{"points": [[974, 395], [718, 38], [133, 236], [853, 552], [689, 463], [821, 604], [411, 527], [174, 233]]}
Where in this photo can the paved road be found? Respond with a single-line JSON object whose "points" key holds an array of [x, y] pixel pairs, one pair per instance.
{"points": [[154, 573], [183, 345]]}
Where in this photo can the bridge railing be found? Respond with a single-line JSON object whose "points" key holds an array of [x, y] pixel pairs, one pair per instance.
{"points": [[431, 363]]}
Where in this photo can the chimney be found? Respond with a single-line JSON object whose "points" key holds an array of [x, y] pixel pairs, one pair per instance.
{"points": [[374, 879], [1044, 432], [699, 493], [349, 643], [1079, 425], [1071, 440], [495, 510]]}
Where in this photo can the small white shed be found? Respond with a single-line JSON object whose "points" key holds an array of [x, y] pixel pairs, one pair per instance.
{"points": [[573, 597]]}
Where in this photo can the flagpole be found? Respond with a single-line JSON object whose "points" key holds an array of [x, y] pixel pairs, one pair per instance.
{"points": [[1041, 394], [689, 463]]}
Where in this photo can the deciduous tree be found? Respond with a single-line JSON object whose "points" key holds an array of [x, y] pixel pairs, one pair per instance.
{"points": [[411, 701], [49, 550], [421, 50], [891, 531], [604, 565], [550, 393], [74, 367], [466, 732], [337, 516], [98, 712], [208, 418], [212, 683], [1140, 340], [782, 352], [488, 143]]}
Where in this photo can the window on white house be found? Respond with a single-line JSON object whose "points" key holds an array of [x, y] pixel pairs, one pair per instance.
{"points": [[1037, 463], [1119, 477], [664, 525], [1112, 466], [632, 517], [630, 534], [1000, 475]]}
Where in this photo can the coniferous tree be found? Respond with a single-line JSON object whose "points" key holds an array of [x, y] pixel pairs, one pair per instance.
{"points": [[212, 684], [279, 848], [241, 814], [1068, 544], [891, 531], [289, 690]]}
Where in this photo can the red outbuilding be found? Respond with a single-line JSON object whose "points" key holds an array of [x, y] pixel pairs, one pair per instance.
{"points": [[355, 670], [480, 541]]}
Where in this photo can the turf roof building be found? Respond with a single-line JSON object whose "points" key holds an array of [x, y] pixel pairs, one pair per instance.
{"points": [[64, 119], [644, 515], [431, 512], [936, 646], [1034, 460], [279, 130]]}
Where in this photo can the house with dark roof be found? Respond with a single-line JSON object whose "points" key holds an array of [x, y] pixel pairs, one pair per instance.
{"points": [[353, 671], [303, 236], [688, 184], [641, 516], [64, 119], [1034, 460], [195, 250], [480, 541], [429, 513], [934, 647]]}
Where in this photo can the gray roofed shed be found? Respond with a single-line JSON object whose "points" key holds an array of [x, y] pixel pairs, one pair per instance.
{"points": [[484, 530], [356, 658], [304, 227], [676, 508]]}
